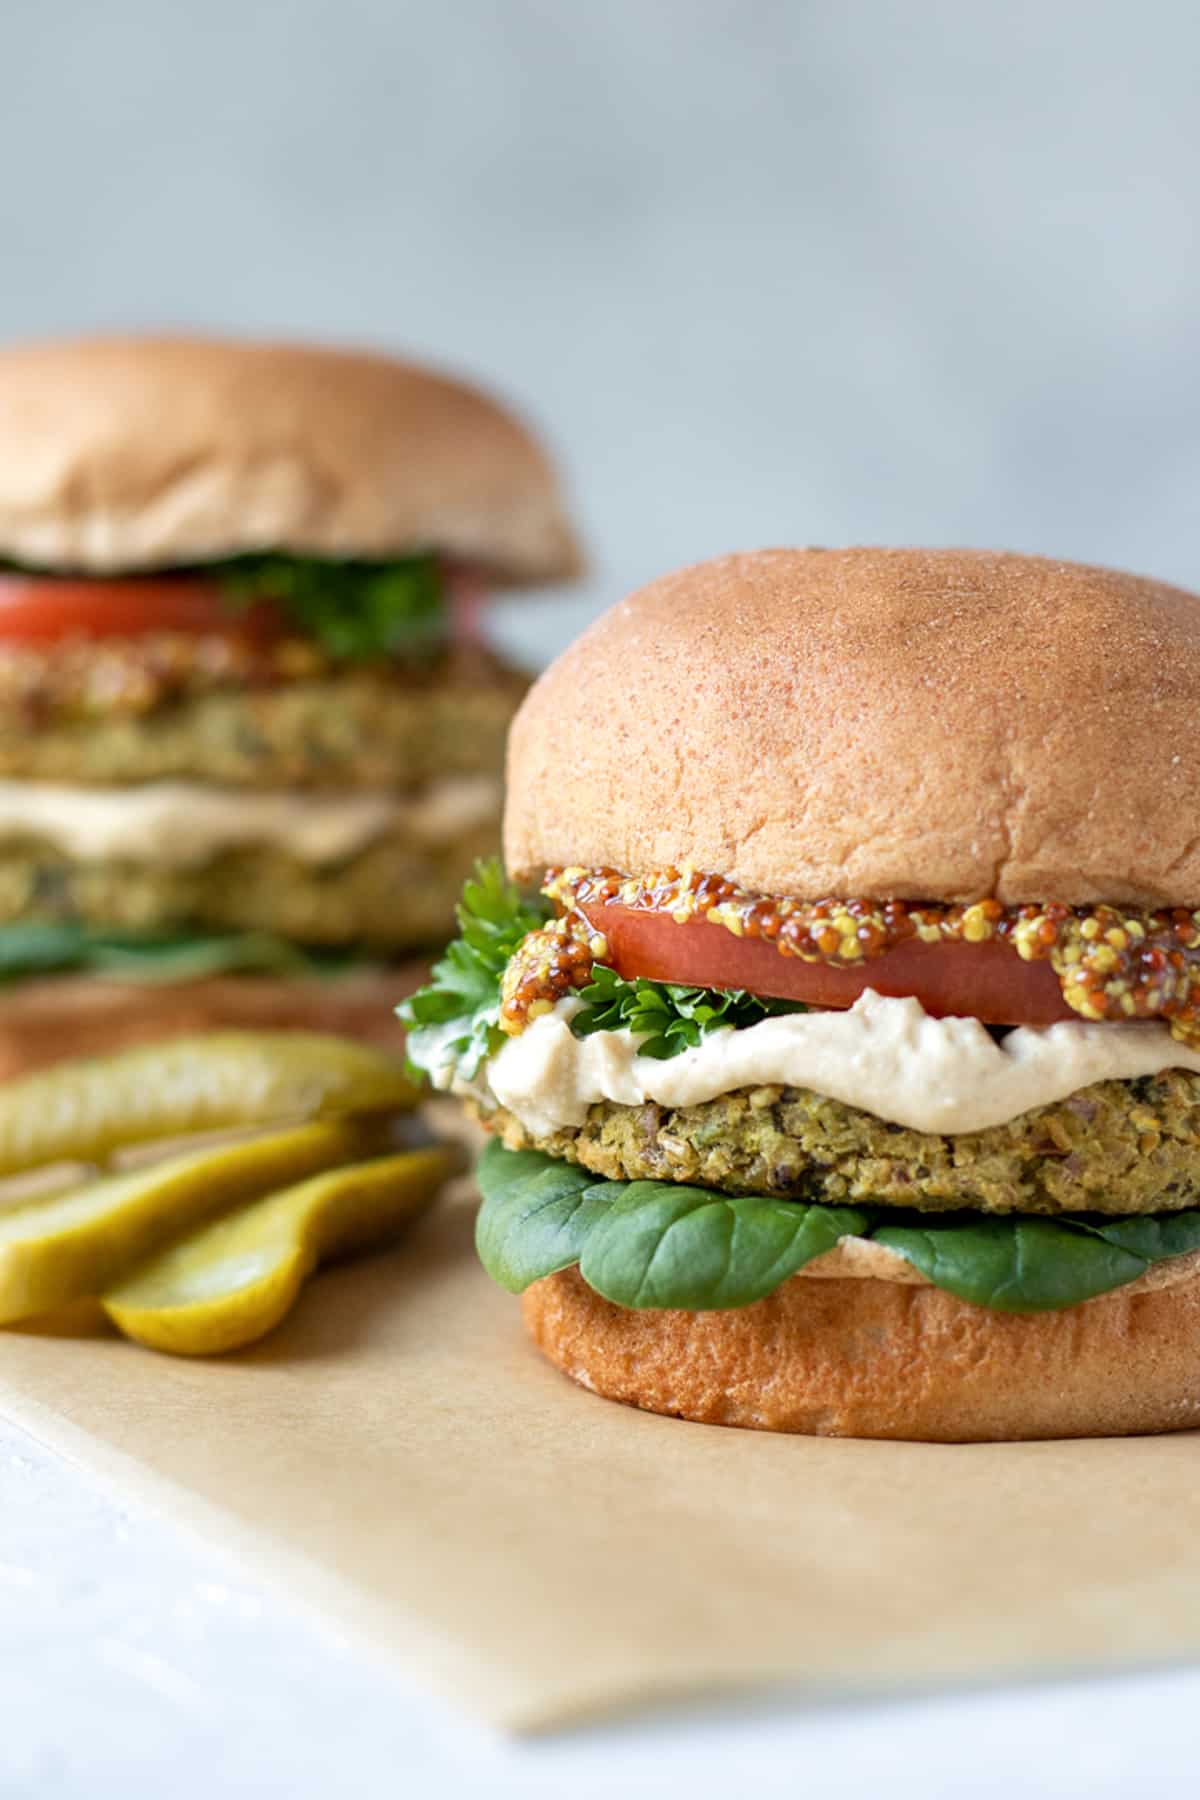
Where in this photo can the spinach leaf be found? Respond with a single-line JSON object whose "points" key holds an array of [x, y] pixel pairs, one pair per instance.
{"points": [[39, 950], [657, 1244], [1014, 1263], [536, 1216], [643, 1243], [1153, 1235], [32, 949], [661, 1244]]}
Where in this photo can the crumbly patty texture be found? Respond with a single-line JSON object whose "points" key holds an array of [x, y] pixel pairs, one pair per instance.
{"points": [[397, 894], [1118, 1147], [372, 726]]}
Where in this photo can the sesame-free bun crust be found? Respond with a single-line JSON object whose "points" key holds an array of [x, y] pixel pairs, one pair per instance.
{"points": [[48, 1020], [877, 1358], [919, 724], [133, 453]]}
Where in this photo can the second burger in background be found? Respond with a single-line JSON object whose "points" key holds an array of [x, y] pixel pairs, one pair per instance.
{"points": [[248, 736]]}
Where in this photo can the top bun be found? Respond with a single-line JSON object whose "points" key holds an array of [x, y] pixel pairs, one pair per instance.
{"points": [[134, 453], [934, 725]]}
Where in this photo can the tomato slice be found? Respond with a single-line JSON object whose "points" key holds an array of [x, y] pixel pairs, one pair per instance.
{"points": [[980, 981], [466, 590], [41, 608]]}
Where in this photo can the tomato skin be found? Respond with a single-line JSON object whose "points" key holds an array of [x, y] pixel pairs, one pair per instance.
{"points": [[44, 608], [467, 594], [987, 981]]}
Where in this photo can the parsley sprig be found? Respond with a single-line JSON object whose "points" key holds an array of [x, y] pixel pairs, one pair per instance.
{"points": [[667, 1018], [456, 1016], [354, 610]]}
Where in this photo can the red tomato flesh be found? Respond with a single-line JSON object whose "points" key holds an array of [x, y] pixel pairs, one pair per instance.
{"points": [[466, 590], [41, 608], [979, 981]]}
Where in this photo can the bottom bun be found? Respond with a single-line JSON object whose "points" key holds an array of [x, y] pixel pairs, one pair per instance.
{"points": [[872, 1358], [42, 1022]]}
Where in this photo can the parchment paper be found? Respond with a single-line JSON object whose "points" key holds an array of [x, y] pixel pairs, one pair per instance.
{"points": [[399, 1456]]}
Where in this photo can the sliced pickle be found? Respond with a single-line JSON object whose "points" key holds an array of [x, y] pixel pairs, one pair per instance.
{"points": [[232, 1281], [80, 1243], [84, 1111]]}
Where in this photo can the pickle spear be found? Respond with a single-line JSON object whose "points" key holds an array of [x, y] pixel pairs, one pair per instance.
{"points": [[84, 1111], [82, 1242], [233, 1280]]}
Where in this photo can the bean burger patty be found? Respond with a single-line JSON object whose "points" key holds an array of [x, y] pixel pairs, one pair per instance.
{"points": [[1118, 1147], [163, 709]]}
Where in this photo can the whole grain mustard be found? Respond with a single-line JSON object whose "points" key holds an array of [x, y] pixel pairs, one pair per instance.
{"points": [[1110, 963]]}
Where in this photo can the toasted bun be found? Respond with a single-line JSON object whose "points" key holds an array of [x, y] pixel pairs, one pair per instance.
{"points": [[877, 1358], [45, 1021], [131, 453], [916, 724]]}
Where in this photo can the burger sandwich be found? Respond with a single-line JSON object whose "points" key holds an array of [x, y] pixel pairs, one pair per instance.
{"points": [[250, 742], [843, 1071]]}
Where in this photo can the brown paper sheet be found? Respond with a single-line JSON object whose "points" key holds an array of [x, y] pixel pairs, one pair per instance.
{"points": [[399, 1456]]}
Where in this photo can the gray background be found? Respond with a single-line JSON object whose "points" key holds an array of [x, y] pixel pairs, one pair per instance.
{"points": [[766, 272]]}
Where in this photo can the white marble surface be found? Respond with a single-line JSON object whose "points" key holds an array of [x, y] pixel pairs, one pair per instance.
{"points": [[133, 1660]]}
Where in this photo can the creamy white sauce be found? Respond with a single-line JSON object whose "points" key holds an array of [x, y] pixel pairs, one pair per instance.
{"points": [[884, 1056], [180, 824]]}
